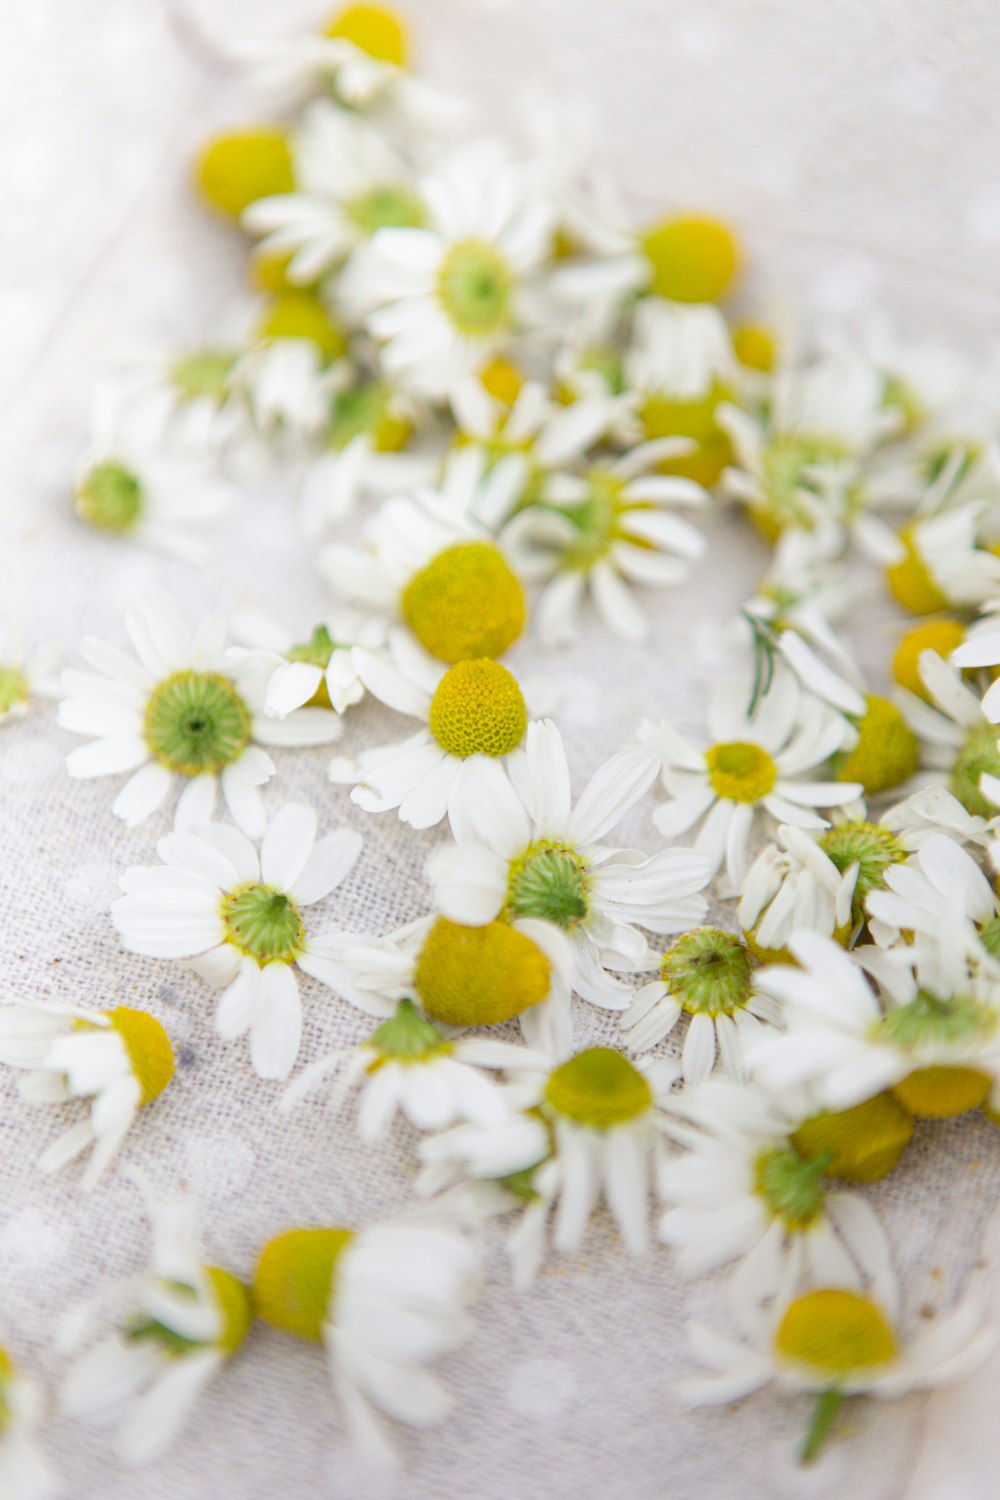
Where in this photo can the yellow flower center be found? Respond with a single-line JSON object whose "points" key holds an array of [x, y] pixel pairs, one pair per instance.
{"points": [[755, 347], [474, 288], [466, 602], [148, 1047], [13, 689], [478, 709], [234, 170], [939, 1093], [295, 1280], [479, 976], [887, 752], [835, 1333], [740, 771], [599, 1088], [301, 315], [911, 582], [502, 380], [233, 1299], [696, 419], [942, 636], [860, 1144], [372, 29], [692, 259]]}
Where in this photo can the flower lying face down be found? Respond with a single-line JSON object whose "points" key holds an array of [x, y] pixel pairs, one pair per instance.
{"points": [[384, 1302], [175, 1326], [119, 1059], [315, 673], [236, 916]]}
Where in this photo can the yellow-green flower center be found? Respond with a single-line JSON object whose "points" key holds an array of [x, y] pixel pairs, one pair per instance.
{"points": [[390, 206], [196, 722], [264, 924], [597, 522], [548, 881], [978, 756], [697, 419], [303, 315], [148, 1047], [477, 709], [860, 1144], [13, 689], [407, 1037], [789, 465], [942, 636], [598, 1088], [204, 373], [294, 1283], [109, 497], [465, 603], [235, 169], [479, 976], [791, 1186], [872, 848], [708, 971], [367, 409], [740, 771], [911, 582], [474, 287], [938, 1093], [835, 1334]]}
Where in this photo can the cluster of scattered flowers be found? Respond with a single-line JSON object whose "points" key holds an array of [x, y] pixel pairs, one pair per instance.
{"points": [[503, 401]]}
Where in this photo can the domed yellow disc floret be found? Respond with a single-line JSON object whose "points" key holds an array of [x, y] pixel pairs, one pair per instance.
{"points": [[755, 347], [910, 581], [478, 709], [693, 259], [235, 169], [740, 771], [148, 1048], [835, 1333], [372, 29], [940, 1093], [860, 1144], [696, 419], [233, 1299], [295, 1280], [942, 636], [465, 603], [301, 315], [599, 1088], [479, 976], [887, 752], [502, 380]]}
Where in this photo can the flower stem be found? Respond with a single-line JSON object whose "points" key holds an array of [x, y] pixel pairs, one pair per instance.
{"points": [[828, 1404]]}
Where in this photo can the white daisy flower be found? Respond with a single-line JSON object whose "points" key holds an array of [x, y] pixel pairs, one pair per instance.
{"points": [[676, 352], [175, 1326], [940, 894], [938, 561], [523, 849], [706, 974], [119, 1059], [24, 1471], [756, 764], [289, 384], [237, 916], [446, 297], [605, 530], [314, 673], [384, 1302], [982, 651], [407, 1065], [23, 677], [349, 182], [933, 809], [956, 735], [185, 401], [180, 710]]}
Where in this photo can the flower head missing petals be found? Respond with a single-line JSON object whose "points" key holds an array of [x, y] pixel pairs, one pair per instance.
{"points": [[740, 771], [708, 970], [465, 603], [196, 722], [887, 752], [148, 1047], [598, 1088], [477, 709], [264, 924], [232, 1300], [479, 976], [294, 1281]]}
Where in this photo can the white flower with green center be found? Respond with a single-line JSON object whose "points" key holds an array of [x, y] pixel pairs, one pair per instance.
{"points": [[176, 1325], [179, 711], [316, 671], [603, 531], [707, 975], [444, 298], [384, 1302], [237, 918], [933, 1036], [940, 895], [411, 1066], [119, 1059], [524, 851], [24, 1471], [349, 183], [22, 677], [759, 764], [956, 735]]}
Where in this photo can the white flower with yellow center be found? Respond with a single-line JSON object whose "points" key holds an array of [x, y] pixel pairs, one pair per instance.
{"points": [[474, 716], [316, 672], [176, 1325], [445, 298], [524, 851], [940, 561], [934, 1041], [956, 735], [24, 1472], [238, 919], [349, 183], [757, 765], [119, 1059], [706, 975], [677, 353], [604, 531], [383, 1302], [180, 710], [22, 677]]}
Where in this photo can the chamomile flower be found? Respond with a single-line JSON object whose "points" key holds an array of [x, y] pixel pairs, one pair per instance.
{"points": [[982, 650], [706, 974], [119, 1059], [384, 1302], [956, 735], [933, 809], [939, 562], [408, 1065], [756, 764], [24, 1472], [677, 354], [22, 677], [940, 894], [237, 917], [180, 710], [523, 850], [317, 672], [603, 531], [447, 297], [289, 381], [176, 1326]]}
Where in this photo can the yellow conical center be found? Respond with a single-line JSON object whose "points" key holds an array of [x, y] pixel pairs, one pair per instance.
{"points": [[148, 1048], [835, 1333], [295, 1280], [861, 1144], [740, 771], [692, 259], [755, 347], [695, 419], [502, 380], [372, 29], [233, 1300], [302, 315], [942, 636], [465, 603], [479, 976], [599, 1088], [235, 169], [939, 1093], [911, 582], [478, 709], [887, 752]]}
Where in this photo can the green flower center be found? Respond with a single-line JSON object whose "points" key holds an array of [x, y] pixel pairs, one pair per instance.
{"points": [[871, 848], [366, 409], [787, 463], [391, 206], [317, 650], [110, 497], [791, 1187], [740, 771], [978, 755], [599, 1088], [548, 881], [196, 722], [475, 288], [263, 923], [13, 689], [927, 1020], [204, 373], [708, 971], [596, 521], [407, 1037]]}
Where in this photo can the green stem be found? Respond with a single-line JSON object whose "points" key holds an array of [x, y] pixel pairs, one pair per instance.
{"points": [[827, 1406]]}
